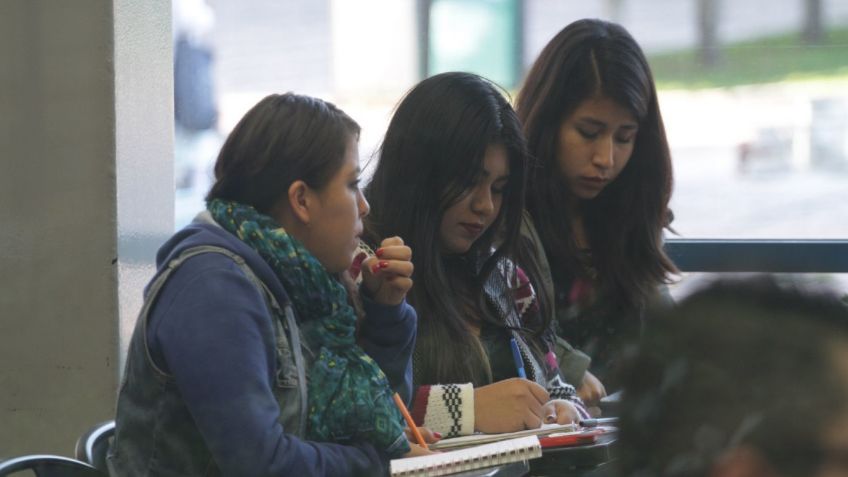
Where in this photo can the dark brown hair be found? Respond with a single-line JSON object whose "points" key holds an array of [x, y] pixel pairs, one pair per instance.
{"points": [[282, 139], [624, 224], [432, 154], [740, 362]]}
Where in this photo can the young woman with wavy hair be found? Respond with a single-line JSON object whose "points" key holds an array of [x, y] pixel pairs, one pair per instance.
{"points": [[597, 199]]}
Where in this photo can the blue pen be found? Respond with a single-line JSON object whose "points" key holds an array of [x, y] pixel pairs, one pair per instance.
{"points": [[516, 356]]}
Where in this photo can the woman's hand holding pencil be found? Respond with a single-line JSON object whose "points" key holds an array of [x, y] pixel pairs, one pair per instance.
{"points": [[430, 437], [417, 441]]}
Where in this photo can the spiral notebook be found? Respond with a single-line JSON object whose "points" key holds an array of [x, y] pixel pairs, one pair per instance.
{"points": [[477, 439], [469, 458]]}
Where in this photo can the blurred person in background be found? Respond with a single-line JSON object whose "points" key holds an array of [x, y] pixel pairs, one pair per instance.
{"points": [[745, 378], [196, 135]]}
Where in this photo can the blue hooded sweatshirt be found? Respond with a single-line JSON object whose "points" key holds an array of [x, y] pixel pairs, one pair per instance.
{"points": [[211, 330]]}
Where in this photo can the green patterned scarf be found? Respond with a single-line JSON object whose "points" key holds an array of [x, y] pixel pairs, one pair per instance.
{"points": [[349, 397]]}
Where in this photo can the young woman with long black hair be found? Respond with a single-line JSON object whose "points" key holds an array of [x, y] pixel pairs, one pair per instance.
{"points": [[450, 180]]}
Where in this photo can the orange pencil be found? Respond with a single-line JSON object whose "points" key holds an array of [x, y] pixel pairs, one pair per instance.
{"points": [[409, 421]]}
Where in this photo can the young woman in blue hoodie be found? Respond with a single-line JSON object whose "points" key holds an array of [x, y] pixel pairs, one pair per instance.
{"points": [[250, 356]]}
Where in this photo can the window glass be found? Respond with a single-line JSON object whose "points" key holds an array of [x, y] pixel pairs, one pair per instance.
{"points": [[478, 36], [758, 130], [686, 283]]}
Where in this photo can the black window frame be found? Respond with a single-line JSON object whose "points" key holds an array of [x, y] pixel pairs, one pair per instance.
{"points": [[768, 256]]}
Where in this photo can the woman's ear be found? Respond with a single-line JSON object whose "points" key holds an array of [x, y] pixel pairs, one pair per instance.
{"points": [[299, 201]]}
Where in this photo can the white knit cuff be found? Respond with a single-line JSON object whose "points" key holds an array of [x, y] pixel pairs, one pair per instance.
{"points": [[450, 409]]}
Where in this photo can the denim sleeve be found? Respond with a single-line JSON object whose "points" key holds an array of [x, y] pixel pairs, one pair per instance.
{"points": [[387, 334], [213, 333]]}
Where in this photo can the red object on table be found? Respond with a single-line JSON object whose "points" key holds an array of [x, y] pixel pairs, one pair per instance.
{"points": [[570, 439]]}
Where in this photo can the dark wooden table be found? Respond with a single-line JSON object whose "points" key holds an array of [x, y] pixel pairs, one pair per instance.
{"points": [[593, 460]]}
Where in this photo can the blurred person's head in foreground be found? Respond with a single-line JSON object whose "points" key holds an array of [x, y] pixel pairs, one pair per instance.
{"points": [[744, 378]]}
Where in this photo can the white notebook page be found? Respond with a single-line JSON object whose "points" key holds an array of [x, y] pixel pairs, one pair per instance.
{"points": [[469, 458]]}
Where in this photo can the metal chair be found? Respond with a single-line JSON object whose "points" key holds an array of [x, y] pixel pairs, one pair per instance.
{"points": [[93, 445], [45, 465]]}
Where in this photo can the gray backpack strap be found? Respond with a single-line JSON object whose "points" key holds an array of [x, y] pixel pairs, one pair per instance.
{"points": [[286, 324], [299, 365]]}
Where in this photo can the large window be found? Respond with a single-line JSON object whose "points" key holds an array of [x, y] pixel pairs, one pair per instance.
{"points": [[754, 94]]}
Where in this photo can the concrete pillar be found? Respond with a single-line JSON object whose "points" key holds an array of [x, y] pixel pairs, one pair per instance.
{"points": [[86, 196]]}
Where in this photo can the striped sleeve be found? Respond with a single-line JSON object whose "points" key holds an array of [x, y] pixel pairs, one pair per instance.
{"points": [[525, 295], [445, 408], [559, 389]]}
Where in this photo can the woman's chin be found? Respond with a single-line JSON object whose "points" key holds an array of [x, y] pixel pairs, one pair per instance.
{"points": [[457, 247]]}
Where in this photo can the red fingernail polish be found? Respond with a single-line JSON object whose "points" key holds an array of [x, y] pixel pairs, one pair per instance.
{"points": [[437, 435], [384, 264], [375, 269], [379, 252]]}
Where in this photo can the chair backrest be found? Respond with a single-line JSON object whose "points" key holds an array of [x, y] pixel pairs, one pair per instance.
{"points": [[93, 445], [45, 465]]}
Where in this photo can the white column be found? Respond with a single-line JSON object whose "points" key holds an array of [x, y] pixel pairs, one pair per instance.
{"points": [[86, 195]]}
